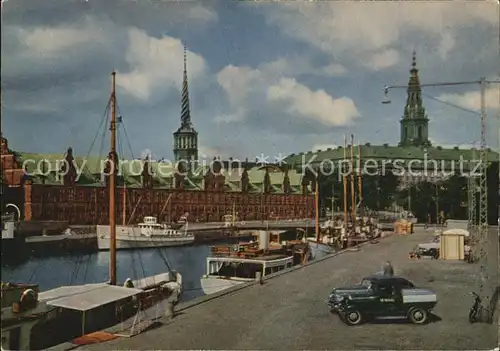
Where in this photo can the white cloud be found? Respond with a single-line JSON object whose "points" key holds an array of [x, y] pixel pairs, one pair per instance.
{"points": [[357, 30], [299, 65], [317, 105], [209, 152], [156, 62], [447, 43], [334, 69], [200, 13], [472, 99], [50, 42], [238, 82], [383, 60], [323, 147], [147, 153], [243, 84]]}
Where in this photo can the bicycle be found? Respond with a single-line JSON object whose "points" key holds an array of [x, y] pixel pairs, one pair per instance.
{"points": [[477, 310]]}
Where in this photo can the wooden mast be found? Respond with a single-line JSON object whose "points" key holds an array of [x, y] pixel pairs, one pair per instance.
{"points": [[112, 188], [353, 197], [316, 206], [360, 184], [124, 209], [344, 181]]}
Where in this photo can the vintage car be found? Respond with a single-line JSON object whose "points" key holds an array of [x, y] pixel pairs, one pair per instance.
{"points": [[380, 296]]}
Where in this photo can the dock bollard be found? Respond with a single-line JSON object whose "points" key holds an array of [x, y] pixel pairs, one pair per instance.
{"points": [[258, 277]]}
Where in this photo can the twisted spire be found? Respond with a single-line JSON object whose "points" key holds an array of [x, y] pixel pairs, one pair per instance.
{"points": [[185, 111]]}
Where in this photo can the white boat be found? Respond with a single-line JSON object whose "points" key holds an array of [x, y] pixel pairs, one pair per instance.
{"points": [[319, 249], [148, 234], [12, 242], [61, 314], [226, 272]]}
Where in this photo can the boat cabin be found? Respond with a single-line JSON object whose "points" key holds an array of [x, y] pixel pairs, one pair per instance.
{"points": [[245, 268], [150, 226], [21, 311]]}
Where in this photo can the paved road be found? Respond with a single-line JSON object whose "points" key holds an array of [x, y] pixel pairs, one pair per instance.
{"points": [[288, 312]]}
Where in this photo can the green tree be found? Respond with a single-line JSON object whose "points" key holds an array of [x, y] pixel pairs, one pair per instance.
{"points": [[453, 197], [379, 191], [420, 199], [331, 186]]}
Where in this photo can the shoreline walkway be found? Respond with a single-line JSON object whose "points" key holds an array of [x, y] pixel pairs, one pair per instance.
{"points": [[288, 312]]}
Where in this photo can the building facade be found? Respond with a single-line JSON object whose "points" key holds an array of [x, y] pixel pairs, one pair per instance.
{"points": [[413, 160], [64, 187]]}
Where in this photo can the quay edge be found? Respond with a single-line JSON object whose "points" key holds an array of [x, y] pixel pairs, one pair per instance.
{"points": [[295, 301]]}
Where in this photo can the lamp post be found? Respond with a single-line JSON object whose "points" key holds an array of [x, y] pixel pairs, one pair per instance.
{"points": [[483, 192]]}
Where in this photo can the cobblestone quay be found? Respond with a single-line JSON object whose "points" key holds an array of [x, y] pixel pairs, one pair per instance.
{"points": [[289, 312]]}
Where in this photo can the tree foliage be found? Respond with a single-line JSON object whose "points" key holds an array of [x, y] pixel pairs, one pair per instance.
{"points": [[423, 199], [379, 191]]}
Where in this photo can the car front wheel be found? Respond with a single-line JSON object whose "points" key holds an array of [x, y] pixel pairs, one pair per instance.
{"points": [[353, 317], [418, 315]]}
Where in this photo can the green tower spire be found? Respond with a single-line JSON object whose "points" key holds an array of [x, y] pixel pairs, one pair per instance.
{"points": [[414, 123], [186, 137]]}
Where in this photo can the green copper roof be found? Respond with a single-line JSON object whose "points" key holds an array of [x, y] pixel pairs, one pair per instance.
{"points": [[385, 152], [162, 173]]}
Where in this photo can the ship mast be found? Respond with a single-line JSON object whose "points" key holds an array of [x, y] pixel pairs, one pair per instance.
{"points": [[112, 188], [344, 180], [316, 206], [360, 185], [353, 198]]}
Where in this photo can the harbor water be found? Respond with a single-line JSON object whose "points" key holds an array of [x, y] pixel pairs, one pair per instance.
{"points": [[55, 271]]}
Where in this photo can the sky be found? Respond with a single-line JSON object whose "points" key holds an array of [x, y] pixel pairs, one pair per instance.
{"points": [[271, 78]]}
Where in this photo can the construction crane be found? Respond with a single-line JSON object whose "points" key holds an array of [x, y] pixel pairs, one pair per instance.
{"points": [[472, 194], [480, 230]]}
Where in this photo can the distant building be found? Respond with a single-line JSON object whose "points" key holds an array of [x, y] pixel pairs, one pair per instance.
{"points": [[414, 151], [45, 190]]}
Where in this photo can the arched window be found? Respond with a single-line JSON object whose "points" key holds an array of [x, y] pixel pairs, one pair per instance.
{"points": [[419, 132]]}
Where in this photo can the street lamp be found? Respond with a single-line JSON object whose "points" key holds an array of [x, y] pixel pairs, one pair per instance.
{"points": [[483, 209]]}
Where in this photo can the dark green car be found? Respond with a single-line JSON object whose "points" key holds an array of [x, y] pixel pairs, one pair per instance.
{"points": [[379, 296]]}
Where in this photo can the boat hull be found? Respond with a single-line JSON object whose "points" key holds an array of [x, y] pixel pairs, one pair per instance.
{"points": [[131, 238], [129, 243], [212, 285], [319, 250]]}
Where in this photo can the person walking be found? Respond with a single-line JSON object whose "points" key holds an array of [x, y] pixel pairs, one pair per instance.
{"points": [[388, 270], [172, 300]]}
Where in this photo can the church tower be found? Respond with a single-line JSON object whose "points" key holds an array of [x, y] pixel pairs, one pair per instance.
{"points": [[186, 137], [414, 123]]}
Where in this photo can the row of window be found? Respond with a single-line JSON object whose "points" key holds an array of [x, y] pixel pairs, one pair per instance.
{"points": [[134, 196]]}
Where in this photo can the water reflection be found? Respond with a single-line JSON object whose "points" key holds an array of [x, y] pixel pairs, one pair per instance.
{"points": [[52, 272]]}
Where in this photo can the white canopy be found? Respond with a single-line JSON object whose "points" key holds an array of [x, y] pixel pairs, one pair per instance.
{"points": [[456, 231], [92, 298]]}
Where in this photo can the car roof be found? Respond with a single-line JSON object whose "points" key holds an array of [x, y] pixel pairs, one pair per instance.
{"points": [[385, 278]]}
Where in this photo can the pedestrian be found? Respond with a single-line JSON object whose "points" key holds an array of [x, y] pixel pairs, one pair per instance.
{"points": [[172, 300], [388, 270]]}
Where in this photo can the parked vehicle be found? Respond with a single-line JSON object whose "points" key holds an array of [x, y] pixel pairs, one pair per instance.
{"points": [[387, 297]]}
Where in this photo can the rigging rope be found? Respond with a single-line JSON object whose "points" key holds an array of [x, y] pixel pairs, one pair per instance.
{"points": [[121, 154], [100, 128], [451, 104], [162, 254]]}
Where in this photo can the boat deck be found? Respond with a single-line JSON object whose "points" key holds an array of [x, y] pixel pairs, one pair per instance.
{"points": [[256, 258]]}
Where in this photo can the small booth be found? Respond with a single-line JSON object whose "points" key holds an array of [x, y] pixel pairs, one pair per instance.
{"points": [[452, 244], [403, 227]]}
